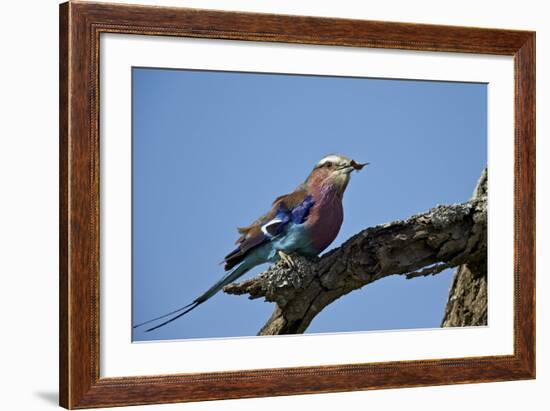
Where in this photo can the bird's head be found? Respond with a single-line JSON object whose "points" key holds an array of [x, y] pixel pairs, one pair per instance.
{"points": [[334, 171]]}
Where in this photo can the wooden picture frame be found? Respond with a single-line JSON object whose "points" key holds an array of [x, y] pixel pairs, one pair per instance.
{"points": [[80, 27]]}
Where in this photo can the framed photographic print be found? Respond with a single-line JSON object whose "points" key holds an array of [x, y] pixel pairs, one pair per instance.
{"points": [[258, 205]]}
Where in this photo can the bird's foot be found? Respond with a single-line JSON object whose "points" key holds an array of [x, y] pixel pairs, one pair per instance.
{"points": [[287, 259]]}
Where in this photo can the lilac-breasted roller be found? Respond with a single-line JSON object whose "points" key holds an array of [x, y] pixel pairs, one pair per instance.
{"points": [[305, 222]]}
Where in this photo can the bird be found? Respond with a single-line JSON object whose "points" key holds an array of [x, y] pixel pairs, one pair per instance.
{"points": [[304, 222]]}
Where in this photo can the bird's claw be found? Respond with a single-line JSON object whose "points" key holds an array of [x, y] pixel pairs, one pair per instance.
{"points": [[287, 260]]}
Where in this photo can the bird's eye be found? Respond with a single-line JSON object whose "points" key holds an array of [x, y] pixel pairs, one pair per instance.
{"points": [[328, 164]]}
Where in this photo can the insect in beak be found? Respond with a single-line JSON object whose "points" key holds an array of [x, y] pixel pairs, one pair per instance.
{"points": [[357, 166]]}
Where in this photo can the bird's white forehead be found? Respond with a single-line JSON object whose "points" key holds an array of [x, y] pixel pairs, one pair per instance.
{"points": [[333, 158]]}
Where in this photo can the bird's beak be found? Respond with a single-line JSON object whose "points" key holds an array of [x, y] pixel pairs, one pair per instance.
{"points": [[357, 166]]}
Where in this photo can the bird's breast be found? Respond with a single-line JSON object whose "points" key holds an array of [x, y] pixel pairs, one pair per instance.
{"points": [[325, 219]]}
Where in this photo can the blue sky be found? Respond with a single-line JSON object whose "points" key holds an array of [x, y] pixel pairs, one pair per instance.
{"points": [[211, 150]]}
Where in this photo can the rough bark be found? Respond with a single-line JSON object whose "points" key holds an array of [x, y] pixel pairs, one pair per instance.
{"points": [[467, 303], [424, 244]]}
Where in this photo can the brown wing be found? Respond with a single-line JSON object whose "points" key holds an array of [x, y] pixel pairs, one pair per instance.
{"points": [[252, 236]]}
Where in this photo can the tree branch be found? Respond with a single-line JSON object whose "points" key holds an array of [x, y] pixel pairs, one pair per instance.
{"points": [[467, 303], [424, 244]]}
